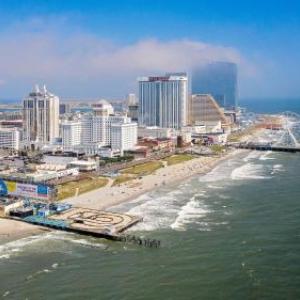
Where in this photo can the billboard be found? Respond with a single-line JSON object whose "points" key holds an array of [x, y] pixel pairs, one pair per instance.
{"points": [[12, 188]]}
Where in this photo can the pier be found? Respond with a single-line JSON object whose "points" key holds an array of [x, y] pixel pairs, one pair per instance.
{"points": [[92, 222], [266, 147], [87, 221]]}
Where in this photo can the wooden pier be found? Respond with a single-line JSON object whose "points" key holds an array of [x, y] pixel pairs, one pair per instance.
{"points": [[96, 222], [92, 222]]}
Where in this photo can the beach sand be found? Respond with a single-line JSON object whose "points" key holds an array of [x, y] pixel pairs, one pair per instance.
{"points": [[109, 196], [11, 230]]}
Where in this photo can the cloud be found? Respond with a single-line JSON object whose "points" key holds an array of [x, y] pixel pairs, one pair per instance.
{"points": [[82, 64]]}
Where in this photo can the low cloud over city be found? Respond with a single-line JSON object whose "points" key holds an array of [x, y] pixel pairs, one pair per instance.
{"points": [[79, 63]]}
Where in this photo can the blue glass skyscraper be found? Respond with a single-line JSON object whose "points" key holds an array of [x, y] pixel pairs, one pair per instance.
{"points": [[218, 79]]}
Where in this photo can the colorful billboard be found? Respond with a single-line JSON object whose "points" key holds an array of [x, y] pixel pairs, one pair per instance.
{"points": [[12, 188]]}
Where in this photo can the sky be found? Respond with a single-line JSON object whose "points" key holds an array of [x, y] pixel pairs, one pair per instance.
{"points": [[96, 48]]}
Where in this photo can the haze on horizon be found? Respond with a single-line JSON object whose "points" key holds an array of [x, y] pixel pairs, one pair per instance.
{"points": [[97, 49]]}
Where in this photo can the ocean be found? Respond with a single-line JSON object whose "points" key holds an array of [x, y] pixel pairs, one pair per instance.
{"points": [[233, 233]]}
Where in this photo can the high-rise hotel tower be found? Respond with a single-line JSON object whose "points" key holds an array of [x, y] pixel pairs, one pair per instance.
{"points": [[40, 117], [220, 79], [163, 101]]}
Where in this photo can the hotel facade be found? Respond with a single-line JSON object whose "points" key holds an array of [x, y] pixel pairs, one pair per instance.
{"points": [[163, 101], [40, 117]]}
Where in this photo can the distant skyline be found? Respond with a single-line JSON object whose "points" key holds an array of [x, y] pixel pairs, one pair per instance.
{"points": [[93, 49]]}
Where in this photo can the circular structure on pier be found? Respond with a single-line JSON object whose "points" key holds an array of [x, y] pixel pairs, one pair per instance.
{"points": [[93, 220]]}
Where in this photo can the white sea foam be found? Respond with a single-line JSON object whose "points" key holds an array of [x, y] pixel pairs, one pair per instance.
{"points": [[252, 156], [6, 294], [249, 171], [87, 243], [215, 187], [266, 155], [160, 210], [223, 197], [18, 246], [220, 173], [189, 213], [156, 211], [278, 168], [55, 265], [217, 174], [7, 249]]}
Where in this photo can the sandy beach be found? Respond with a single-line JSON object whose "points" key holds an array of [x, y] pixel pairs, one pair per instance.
{"points": [[110, 196], [10, 230]]}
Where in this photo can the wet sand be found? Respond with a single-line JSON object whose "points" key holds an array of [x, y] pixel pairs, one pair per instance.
{"points": [[10, 230]]}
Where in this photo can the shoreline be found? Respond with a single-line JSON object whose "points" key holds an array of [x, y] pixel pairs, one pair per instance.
{"points": [[109, 196], [11, 230]]}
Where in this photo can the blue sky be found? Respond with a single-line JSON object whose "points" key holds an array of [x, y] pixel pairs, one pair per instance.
{"points": [[97, 48]]}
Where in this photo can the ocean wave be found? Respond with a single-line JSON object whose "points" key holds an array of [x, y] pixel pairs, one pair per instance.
{"points": [[265, 156], [16, 247], [156, 211], [215, 187], [249, 171], [159, 210], [221, 196], [39, 273], [251, 156], [278, 168], [221, 172], [217, 174], [87, 243], [191, 211]]}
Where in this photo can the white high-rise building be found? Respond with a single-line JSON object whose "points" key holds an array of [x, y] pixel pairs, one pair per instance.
{"points": [[70, 134], [40, 117], [123, 136], [99, 129], [10, 138], [163, 101], [131, 99]]}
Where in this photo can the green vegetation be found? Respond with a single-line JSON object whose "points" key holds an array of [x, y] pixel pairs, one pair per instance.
{"points": [[123, 178], [84, 185], [144, 168], [178, 158], [117, 159], [217, 149], [234, 138]]}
